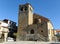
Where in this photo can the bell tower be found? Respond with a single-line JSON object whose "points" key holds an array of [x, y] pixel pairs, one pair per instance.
{"points": [[25, 18]]}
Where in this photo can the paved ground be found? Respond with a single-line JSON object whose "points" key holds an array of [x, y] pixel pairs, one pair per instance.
{"points": [[30, 42]]}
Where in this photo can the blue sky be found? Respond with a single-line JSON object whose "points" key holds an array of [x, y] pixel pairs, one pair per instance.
{"points": [[47, 8]]}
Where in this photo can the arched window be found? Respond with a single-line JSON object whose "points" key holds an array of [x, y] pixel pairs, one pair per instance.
{"points": [[21, 9], [32, 31], [25, 8]]}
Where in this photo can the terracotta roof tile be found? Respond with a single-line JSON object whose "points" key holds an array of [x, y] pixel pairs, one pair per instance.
{"points": [[57, 30], [44, 19]]}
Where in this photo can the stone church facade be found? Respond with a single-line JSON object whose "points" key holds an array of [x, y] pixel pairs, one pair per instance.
{"points": [[33, 27]]}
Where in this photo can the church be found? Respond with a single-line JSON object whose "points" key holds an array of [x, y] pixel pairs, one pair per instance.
{"points": [[32, 26]]}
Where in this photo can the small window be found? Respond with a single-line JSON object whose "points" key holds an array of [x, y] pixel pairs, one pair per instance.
{"points": [[41, 30], [25, 8], [32, 31], [21, 8]]}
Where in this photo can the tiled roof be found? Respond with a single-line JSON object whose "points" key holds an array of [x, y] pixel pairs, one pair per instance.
{"points": [[44, 19], [57, 30]]}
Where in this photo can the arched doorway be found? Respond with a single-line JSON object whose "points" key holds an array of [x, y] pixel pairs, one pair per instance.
{"points": [[32, 31]]}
